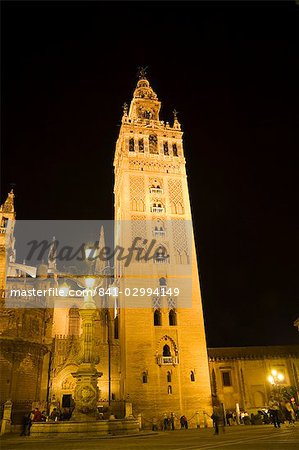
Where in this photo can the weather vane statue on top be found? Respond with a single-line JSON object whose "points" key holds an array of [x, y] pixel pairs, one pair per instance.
{"points": [[142, 72]]}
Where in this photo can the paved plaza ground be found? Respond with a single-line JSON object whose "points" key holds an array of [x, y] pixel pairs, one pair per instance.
{"points": [[262, 437]]}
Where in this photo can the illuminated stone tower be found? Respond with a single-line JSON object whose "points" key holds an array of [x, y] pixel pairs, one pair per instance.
{"points": [[164, 364]]}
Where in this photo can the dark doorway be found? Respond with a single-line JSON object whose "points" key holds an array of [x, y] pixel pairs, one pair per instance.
{"points": [[67, 400]]}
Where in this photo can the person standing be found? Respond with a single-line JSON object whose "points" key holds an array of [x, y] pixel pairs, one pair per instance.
{"points": [[165, 422], [26, 424], [184, 422], [290, 414], [171, 420], [229, 418], [218, 420], [215, 417]]}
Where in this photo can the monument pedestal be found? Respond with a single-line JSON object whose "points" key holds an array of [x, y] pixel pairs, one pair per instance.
{"points": [[86, 392]]}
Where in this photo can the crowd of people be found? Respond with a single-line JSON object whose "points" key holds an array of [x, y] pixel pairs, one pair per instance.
{"points": [[278, 412], [41, 416]]}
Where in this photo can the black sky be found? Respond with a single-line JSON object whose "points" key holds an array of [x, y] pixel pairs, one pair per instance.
{"points": [[229, 69]]}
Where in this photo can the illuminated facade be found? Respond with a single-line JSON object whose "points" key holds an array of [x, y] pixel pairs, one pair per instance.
{"points": [[243, 375], [152, 355]]}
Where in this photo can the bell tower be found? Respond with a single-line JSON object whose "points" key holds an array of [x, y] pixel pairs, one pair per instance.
{"points": [[163, 362]]}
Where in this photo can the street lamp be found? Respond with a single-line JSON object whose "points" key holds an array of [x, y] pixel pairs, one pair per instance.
{"points": [[275, 379], [86, 390]]}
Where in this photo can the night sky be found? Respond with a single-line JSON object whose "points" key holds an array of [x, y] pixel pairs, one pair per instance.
{"points": [[229, 69]]}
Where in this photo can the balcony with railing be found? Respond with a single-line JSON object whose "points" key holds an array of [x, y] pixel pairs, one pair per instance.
{"points": [[156, 190], [157, 209], [159, 233], [167, 360]]}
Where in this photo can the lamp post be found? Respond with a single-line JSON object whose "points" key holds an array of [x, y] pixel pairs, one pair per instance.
{"points": [[275, 379], [86, 376], [86, 390]]}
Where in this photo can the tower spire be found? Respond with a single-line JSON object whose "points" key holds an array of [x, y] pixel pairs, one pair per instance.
{"points": [[145, 104], [8, 205]]}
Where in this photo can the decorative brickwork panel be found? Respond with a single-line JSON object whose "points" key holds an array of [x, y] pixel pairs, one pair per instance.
{"points": [[137, 193], [138, 230], [158, 167], [157, 303], [180, 241], [176, 196], [171, 303]]}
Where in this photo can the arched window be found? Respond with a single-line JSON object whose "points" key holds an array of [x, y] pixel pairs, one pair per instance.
{"points": [[4, 222], [157, 318], [174, 150], [134, 205], [144, 377], [131, 145], [168, 377], [156, 188], [165, 147], [116, 328], [141, 206], [74, 322], [166, 350], [169, 390], [153, 144], [172, 317], [192, 376], [161, 255], [157, 207], [162, 281], [141, 145], [179, 208], [159, 228], [184, 258]]}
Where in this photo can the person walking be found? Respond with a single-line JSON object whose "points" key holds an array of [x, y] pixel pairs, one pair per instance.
{"points": [[274, 409]]}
